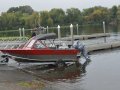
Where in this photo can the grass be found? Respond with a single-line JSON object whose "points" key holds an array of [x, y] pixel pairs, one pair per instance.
{"points": [[33, 84]]}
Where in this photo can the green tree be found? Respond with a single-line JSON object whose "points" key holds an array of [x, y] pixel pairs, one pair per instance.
{"points": [[23, 9], [118, 13], [73, 15], [33, 20], [45, 19], [57, 15], [113, 15], [87, 12], [49, 22], [25, 16], [13, 20], [86, 15], [114, 12], [96, 15]]}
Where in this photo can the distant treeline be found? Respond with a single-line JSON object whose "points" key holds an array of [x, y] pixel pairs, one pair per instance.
{"points": [[25, 16]]}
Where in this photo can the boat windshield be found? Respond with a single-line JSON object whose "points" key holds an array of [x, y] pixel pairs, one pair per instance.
{"points": [[49, 43], [38, 45], [31, 43]]}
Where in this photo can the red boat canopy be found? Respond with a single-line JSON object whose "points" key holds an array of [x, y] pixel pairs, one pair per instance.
{"points": [[45, 36]]}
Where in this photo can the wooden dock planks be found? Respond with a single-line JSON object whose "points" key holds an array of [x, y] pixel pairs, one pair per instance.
{"points": [[102, 46], [84, 37]]}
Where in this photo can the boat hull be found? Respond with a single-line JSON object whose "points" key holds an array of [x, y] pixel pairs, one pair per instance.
{"points": [[42, 55], [45, 58]]}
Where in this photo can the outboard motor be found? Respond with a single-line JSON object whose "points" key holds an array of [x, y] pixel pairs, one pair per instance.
{"points": [[81, 47], [77, 45]]}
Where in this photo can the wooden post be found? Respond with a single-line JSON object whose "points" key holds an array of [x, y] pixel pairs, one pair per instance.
{"points": [[77, 28], [47, 29], [71, 30], [20, 32], [23, 32], [104, 31], [59, 34]]}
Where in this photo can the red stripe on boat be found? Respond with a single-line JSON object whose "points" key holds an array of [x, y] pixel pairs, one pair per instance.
{"points": [[41, 52]]}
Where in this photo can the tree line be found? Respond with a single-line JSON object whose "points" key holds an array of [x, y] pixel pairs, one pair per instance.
{"points": [[25, 16]]}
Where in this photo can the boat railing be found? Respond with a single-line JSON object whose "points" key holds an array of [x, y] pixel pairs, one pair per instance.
{"points": [[10, 45]]}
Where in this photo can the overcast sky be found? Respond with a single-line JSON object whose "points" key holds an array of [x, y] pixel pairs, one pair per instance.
{"points": [[39, 5]]}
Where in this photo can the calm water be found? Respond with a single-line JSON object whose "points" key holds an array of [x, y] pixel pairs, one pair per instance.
{"points": [[102, 73], [65, 30], [86, 29]]}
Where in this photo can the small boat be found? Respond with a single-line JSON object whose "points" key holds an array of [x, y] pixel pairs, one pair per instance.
{"points": [[41, 48]]}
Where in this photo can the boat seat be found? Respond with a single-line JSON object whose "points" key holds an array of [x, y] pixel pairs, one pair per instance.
{"points": [[52, 47]]}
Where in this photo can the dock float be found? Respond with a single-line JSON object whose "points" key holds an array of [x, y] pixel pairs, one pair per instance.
{"points": [[84, 37], [103, 46]]}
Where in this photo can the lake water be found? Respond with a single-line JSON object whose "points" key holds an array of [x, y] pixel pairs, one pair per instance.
{"points": [[87, 29], [102, 73]]}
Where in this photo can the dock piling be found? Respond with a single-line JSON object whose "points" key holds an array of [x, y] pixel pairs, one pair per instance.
{"points": [[104, 31], [47, 29], [71, 30], [77, 28], [20, 32], [23, 32], [59, 34]]}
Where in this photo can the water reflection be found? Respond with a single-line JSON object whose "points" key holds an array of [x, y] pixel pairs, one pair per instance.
{"points": [[87, 29], [70, 72]]}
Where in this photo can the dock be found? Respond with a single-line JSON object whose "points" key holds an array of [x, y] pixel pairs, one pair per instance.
{"points": [[100, 44], [85, 37], [103, 46]]}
